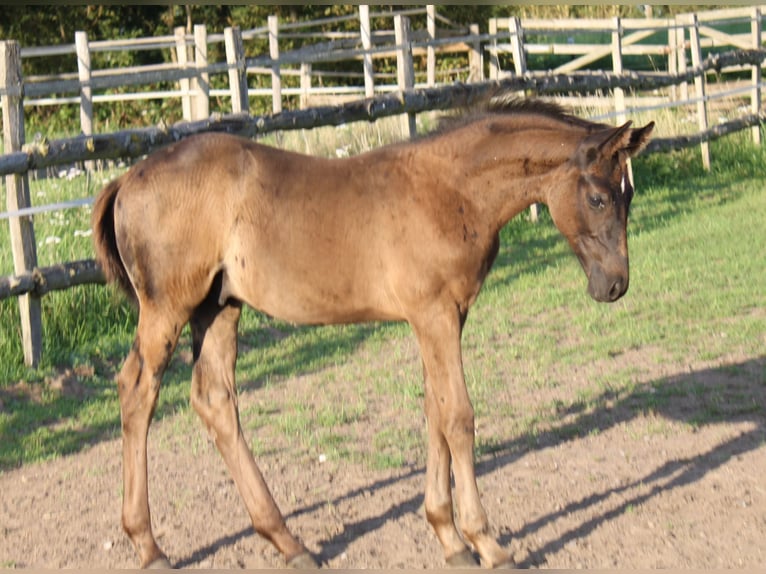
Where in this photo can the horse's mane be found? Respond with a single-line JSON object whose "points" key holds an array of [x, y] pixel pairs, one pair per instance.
{"points": [[504, 104]]}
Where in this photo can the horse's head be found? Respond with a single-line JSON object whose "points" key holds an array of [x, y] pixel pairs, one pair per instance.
{"points": [[594, 216]]}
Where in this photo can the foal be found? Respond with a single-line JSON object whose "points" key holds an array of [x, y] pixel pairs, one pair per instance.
{"points": [[406, 232]]}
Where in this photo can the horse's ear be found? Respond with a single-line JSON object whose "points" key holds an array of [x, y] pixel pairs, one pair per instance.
{"points": [[639, 137], [616, 139], [605, 142]]}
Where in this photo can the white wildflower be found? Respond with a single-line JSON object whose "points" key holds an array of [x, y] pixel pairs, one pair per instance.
{"points": [[73, 173], [342, 151]]}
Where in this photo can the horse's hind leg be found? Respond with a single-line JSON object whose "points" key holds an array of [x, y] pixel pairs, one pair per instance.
{"points": [[138, 386], [214, 397]]}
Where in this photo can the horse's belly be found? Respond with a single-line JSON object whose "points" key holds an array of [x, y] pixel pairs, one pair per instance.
{"points": [[316, 311], [313, 298]]}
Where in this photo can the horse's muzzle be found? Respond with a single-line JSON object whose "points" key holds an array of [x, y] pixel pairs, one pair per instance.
{"points": [[607, 287]]}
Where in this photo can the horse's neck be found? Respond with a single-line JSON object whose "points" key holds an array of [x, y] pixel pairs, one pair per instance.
{"points": [[506, 173]]}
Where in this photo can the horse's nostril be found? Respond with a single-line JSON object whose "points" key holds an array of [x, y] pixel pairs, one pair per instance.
{"points": [[616, 291]]}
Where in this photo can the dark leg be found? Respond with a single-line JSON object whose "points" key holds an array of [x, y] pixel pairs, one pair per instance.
{"points": [[214, 397]]}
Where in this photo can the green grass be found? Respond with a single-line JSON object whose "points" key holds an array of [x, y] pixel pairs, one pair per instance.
{"points": [[697, 296]]}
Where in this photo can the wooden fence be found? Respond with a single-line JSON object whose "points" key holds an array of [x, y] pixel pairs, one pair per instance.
{"points": [[29, 282], [511, 46], [186, 62]]}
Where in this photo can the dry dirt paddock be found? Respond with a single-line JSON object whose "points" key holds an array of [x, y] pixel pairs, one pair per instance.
{"points": [[627, 490]]}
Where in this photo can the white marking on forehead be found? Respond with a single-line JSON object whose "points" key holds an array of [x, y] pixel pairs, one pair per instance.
{"points": [[624, 182]]}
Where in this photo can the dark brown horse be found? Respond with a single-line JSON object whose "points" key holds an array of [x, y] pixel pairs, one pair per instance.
{"points": [[407, 232]]}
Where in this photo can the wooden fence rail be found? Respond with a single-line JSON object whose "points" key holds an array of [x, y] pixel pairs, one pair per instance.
{"points": [[138, 142], [192, 71]]}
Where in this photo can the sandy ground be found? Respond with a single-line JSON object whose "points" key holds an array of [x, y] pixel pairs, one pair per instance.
{"points": [[627, 490]]}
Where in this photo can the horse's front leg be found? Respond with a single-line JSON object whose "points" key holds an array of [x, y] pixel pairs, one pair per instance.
{"points": [[451, 423], [438, 495]]}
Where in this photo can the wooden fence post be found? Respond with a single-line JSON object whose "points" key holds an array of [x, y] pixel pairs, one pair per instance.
{"points": [[519, 61], [699, 83], [182, 57], [619, 93], [517, 45], [365, 31], [755, 99], [476, 73], [86, 93], [682, 67], [276, 78], [305, 85], [22, 230], [201, 83], [235, 56], [431, 49], [520, 67], [494, 58], [673, 56], [405, 70]]}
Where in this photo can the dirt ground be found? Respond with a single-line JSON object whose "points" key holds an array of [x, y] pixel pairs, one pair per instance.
{"points": [[628, 490]]}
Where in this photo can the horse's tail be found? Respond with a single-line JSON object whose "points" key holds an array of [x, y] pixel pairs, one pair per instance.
{"points": [[105, 240]]}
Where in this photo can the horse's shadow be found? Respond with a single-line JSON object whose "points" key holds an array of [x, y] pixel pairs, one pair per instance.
{"points": [[732, 393], [671, 475]]}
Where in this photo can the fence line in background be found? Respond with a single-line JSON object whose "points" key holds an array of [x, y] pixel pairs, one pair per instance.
{"points": [[528, 38], [192, 71], [134, 143]]}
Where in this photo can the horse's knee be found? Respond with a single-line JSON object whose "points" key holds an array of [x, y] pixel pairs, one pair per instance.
{"points": [[458, 425]]}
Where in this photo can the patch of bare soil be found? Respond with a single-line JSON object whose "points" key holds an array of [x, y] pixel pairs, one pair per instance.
{"points": [[66, 382], [615, 485]]}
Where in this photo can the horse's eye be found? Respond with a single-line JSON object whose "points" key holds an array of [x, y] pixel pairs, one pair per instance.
{"points": [[596, 201]]}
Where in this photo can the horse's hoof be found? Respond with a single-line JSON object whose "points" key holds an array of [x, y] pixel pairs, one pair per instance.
{"points": [[464, 559], [160, 563], [304, 561]]}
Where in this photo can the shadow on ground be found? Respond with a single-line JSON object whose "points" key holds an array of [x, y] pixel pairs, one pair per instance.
{"points": [[732, 393]]}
